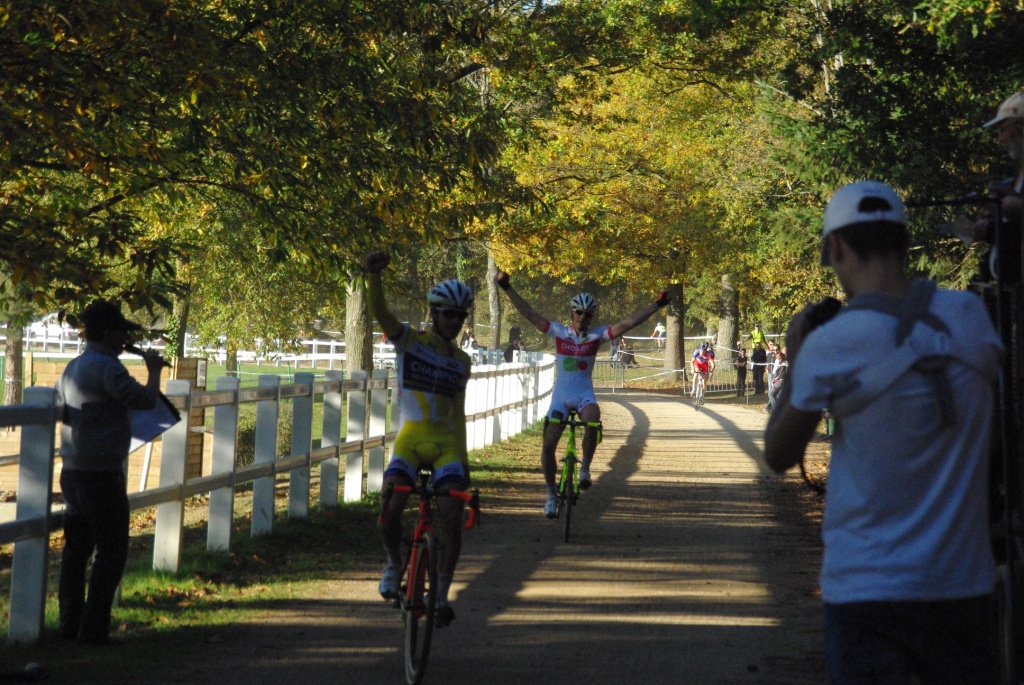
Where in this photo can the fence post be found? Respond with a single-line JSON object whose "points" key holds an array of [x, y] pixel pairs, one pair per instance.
{"points": [[302, 443], [520, 396], [225, 439], [356, 431], [495, 400], [267, 412], [331, 437], [170, 516], [378, 426], [472, 407], [35, 485]]}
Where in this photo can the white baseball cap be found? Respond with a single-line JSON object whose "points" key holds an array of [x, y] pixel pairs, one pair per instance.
{"points": [[863, 202], [1012, 108]]}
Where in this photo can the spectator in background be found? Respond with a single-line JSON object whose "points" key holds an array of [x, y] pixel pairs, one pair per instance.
{"points": [[781, 367], [770, 362], [756, 337], [515, 333], [1008, 124], [513, 347], [758, 362], [96, 394], [626, 357], [740, 362], [466, 335]]}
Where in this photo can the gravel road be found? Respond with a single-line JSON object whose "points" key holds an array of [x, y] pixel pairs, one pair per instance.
{"points": [[687, 565]]}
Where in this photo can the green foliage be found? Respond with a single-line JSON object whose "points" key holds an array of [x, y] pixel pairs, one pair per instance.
{"points": [[241, 157], [245, 449]]}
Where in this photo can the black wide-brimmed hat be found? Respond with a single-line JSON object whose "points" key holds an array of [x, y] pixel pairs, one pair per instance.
{"points": [[102, 315]]}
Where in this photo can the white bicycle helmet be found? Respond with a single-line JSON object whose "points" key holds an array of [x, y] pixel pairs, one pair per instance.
{"points": [[584, 302], [451, 293]]}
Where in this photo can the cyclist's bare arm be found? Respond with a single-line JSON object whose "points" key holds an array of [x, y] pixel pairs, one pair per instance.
{"points": [[374, 263], [640, 315], [788, 432], [539, 322]]}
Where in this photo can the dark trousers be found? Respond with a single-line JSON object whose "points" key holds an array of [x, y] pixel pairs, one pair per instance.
{"points": [[758, 372], [741, 381], [951, 642], [96, 518]]}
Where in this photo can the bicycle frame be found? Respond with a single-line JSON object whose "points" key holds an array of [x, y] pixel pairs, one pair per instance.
{"points": [[569, 480], [418, 598], [425, 519]]}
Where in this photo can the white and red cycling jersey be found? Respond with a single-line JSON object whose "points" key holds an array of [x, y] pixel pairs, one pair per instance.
{"points": [[575, 355]]}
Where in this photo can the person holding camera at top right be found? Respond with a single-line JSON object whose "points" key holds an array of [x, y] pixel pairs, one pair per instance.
{"points": [[909, 373], [1008, 125]]}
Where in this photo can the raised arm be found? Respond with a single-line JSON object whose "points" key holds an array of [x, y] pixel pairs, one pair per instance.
{"points": [[375, 263], [539, 322], [640, 315]]}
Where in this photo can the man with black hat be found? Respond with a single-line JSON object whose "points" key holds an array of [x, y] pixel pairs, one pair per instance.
{"points": [[96, 394], [909, 373]]}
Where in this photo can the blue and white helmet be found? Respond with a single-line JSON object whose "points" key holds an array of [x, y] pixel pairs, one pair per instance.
{"points": [[451, 293], [584, 302]]}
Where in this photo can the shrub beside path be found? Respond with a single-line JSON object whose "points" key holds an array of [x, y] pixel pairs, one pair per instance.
{"points": [[687, 564]]}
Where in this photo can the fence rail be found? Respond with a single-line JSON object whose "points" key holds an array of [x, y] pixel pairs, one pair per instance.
{"points": [[501, 401]]}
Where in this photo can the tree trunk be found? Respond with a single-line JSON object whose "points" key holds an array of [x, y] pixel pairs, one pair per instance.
{"points": [[728, 314], [358, 331], [231, 360], [14, 363], [182, 307], [675, 345], [493, 301]]}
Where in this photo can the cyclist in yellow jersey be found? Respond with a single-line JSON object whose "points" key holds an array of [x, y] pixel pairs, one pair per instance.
{"points": [[432, 377]]}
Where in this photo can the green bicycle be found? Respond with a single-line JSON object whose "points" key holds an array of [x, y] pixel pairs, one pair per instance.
{"points": [[569, 480]]}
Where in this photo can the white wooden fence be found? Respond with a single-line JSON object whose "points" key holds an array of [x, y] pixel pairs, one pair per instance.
{"points": [[501, 401]]}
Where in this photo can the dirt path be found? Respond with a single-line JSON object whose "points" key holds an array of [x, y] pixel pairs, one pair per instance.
{"points": [[688, 565]]}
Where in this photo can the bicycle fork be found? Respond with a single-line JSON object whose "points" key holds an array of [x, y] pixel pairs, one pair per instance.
{"points": [[569, 485], [410, 592]]}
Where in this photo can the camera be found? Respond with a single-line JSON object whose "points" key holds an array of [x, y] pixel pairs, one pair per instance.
{"points": [[820, 313]]}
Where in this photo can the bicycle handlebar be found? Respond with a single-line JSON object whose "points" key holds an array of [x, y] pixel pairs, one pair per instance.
{"points": [[470, 498], [578, 423]]}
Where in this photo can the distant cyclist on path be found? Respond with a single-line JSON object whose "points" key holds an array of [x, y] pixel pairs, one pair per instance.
{"points": [[576, 348], [703, 364], [432, 377]]}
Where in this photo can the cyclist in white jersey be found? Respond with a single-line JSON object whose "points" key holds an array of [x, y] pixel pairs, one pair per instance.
{"points": [[576, 348]]}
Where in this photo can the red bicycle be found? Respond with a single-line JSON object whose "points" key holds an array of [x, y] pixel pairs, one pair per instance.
{"points": [[417, 596]]}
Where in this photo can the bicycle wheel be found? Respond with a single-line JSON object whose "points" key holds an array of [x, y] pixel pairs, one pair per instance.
{"points": [[568, 495], [420, 609]]}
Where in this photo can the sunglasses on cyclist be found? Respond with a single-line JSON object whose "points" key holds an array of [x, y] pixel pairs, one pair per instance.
{"points": [[452, 313], [580, 312]]}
